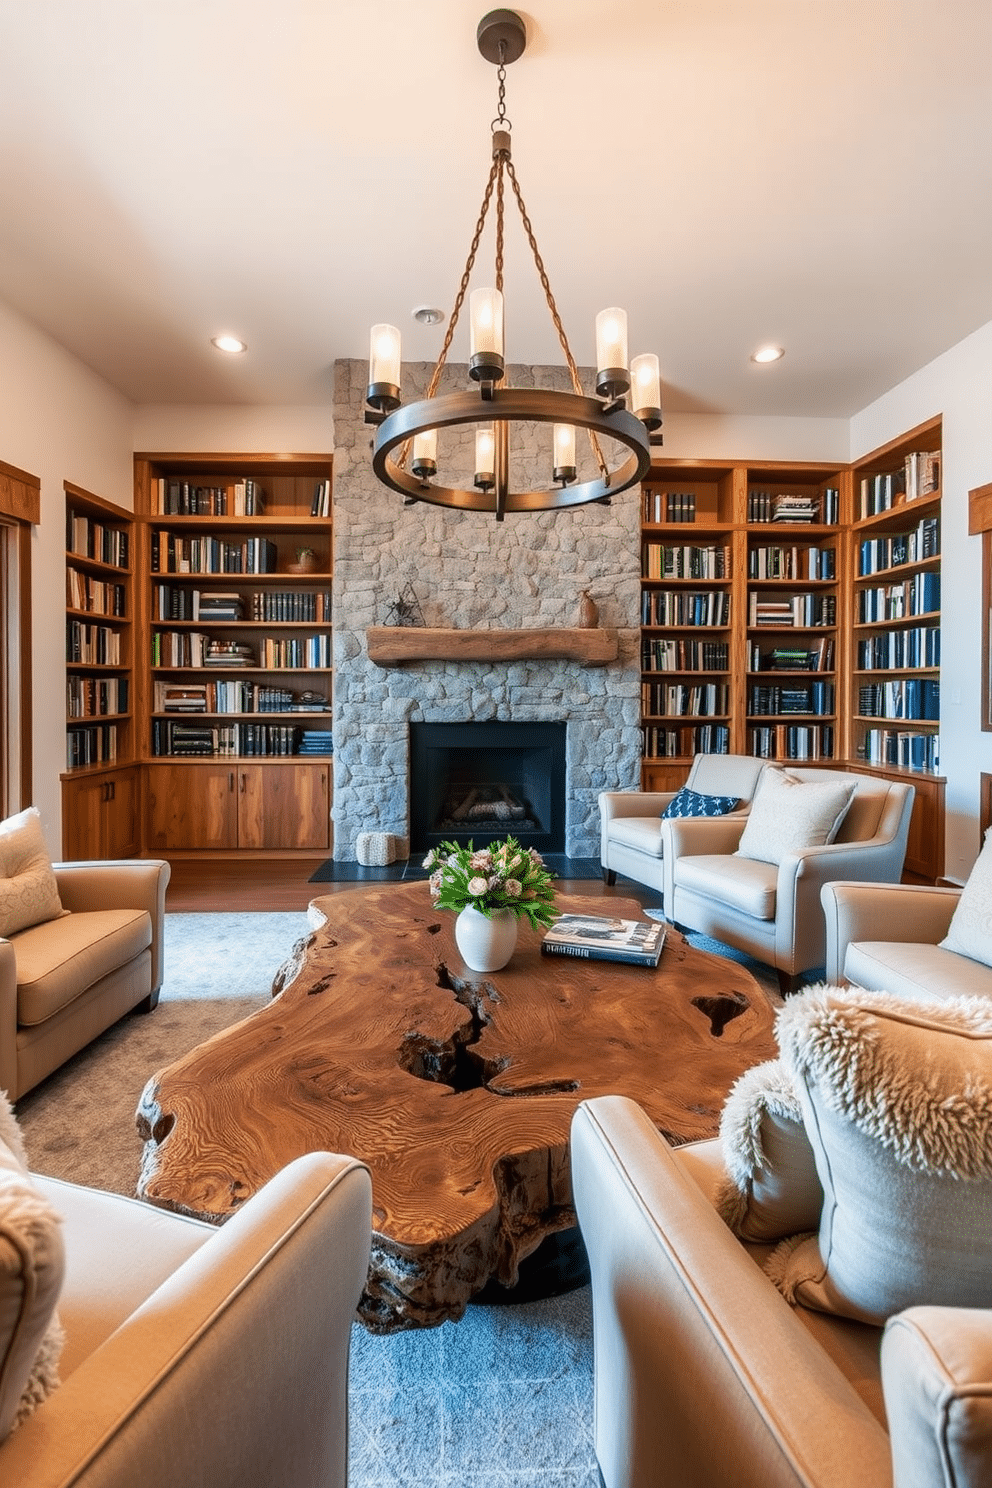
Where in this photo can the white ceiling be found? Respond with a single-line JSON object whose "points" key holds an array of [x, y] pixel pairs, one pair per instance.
{"points": [[815, 173]]}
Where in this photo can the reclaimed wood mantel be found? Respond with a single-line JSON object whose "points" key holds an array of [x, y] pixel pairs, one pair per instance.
{"points": [[392, 645]]}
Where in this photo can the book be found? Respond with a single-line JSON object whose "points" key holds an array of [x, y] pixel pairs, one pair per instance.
{"points": [[600, 938]]}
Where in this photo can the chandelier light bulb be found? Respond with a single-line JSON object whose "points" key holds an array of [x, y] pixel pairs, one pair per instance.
{"points": [[485, 459], [486, 332], [564, 444], [612, 377], [645, 397], [424, 463], [384, 368]]}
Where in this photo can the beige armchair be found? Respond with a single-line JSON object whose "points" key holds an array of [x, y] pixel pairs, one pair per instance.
{"points": [[630, 821], [773, 911], [64, 981], [210, 1358]]}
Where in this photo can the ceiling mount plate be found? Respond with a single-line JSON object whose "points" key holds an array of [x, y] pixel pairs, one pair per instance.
{"points": [[501, 26]]}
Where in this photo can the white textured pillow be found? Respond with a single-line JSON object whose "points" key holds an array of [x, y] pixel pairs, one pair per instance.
{"points": [[970, 931], [897, 1104], [789, 814], [31, 1270], [29, 893], [772, 1189]]}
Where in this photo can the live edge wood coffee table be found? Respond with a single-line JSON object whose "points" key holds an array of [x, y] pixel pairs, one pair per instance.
{"points": [[456, 1087]]}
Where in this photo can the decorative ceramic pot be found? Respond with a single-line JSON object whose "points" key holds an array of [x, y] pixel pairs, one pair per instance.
{"points": [[486, 943]]}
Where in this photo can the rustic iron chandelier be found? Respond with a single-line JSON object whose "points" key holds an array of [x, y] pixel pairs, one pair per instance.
{"points": [[492, 409]]}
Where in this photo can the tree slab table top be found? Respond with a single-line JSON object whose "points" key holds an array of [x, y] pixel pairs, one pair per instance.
{"points": [[456, 1087]]}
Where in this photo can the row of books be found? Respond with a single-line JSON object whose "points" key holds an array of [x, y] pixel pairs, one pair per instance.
{"points": [[670, 506], [812, 697], [919, 595], [172, 553], [195, 648], [794, 506], [792, 741], [659, 655], [684, 700], [658, 742], [95, 596], [919, 476], [875, 554], [95, 697], [684, 561], [918, 646], [320, 506], [905, 750], [92, 645], [818, 658], [88, 539], [805, 611], [679, 607], [260, 740], [233, 697], [281, 606], [792, 563], [95, 744], [905, 697], [172, 497]]}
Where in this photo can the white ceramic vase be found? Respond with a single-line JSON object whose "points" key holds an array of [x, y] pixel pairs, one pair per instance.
{"points": [[486, 943]]}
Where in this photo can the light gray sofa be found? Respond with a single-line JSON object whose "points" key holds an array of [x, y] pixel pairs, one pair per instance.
{"points": [[64, 981], [706, 1377], [195, 1356], [885, 937], [630, 821]]}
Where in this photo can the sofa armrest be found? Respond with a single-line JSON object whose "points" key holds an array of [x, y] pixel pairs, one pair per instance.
{"points": [[912, 913], [703, 1375], [613, 804], [8, 1016], [234, 1372], [937, 1382], [120, 883]]}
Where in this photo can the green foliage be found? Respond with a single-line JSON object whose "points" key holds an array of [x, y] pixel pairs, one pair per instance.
{"points": [[501, 876]]}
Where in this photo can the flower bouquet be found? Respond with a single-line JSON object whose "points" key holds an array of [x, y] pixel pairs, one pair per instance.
{"points": [[501, 876]]}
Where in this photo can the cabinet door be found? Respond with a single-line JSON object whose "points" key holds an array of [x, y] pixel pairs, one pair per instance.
{"points": [[284, 806], [191, 806], [82, 818], [121, 827]]}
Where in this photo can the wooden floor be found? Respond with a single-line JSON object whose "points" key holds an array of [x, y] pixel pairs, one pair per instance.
{"points": [[231, 884]]}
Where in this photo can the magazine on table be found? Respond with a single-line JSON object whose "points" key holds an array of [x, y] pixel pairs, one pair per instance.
{"points": [[604, 938]]}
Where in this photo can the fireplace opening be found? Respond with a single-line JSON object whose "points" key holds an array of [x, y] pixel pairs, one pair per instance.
{"points": [[486, 781]]}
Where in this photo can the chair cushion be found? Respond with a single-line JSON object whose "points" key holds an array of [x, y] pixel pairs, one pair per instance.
{"points": [[970, 930], [937, 1381], [29, 894], [915, 971], [688, 802], [788, 815], [640, 832], [31, 1271], [746, 884], [771, 1187], [897, 1104], [59, 961]]}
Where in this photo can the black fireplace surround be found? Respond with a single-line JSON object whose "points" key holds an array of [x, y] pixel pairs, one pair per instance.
{"points": [[483, 781]]}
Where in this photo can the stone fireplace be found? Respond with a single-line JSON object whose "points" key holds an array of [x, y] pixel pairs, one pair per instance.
{"points": [[471, 573]]}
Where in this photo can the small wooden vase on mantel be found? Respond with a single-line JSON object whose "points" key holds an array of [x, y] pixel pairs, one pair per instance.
{"points": [[486, 943], [588, 611]]}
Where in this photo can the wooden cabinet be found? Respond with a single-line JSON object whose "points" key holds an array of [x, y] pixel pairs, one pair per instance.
{"points": [[101, 814], [236, 567], [216, 807]]}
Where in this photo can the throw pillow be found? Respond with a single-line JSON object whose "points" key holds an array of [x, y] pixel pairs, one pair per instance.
{"points": [[788, 815], [897, 1104], [970, 930], [31, 1268], [772, 1189], [29, 893], [693, 803]]}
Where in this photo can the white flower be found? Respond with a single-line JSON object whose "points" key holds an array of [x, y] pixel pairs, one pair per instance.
{"points": [[477, 886], [430, 859], [481, 859], [513, 888]]}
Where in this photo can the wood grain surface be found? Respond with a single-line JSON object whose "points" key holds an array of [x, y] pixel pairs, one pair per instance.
{"points": [[456, 1087], [392, 645]]}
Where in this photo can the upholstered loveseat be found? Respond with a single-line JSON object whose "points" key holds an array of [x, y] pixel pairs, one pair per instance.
{"points": [[807, 1300]]}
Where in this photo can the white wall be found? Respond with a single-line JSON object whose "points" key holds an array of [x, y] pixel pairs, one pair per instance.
{"points": [[957, 385], [288, 431]]}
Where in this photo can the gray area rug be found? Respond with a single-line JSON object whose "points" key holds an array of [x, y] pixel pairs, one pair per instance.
{"points": [[502, 1398]]}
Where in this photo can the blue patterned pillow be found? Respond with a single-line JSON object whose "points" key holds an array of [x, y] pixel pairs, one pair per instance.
{"points": [[693, 803]]}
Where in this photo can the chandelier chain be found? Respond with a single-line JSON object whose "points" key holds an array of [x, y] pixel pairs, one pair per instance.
{"points": [[553, 308]]}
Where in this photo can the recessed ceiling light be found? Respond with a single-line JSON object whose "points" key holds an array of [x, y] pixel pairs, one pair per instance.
{"points": [[768, 354], [428, 315], [228, 343]]}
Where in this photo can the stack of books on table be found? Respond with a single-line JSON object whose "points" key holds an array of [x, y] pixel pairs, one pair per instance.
{"points": [[603, 938]]}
